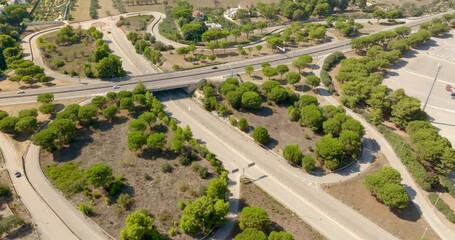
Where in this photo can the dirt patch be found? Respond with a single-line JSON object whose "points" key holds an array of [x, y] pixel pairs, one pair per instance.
{"points": [[106, 8], [137, 8], [81, 10], [136, 23], [405, 224], [282, 219], [151, 189], [6, 85], [282, 131]]}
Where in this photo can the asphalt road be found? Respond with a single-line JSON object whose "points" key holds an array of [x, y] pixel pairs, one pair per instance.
{"points": [[286, 184], [49, 225]]}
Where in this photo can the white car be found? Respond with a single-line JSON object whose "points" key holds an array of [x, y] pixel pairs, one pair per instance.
{"points": [[20, 92], [116, 87]]}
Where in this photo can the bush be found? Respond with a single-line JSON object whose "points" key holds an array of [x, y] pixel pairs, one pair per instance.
{"points": [[261, 135], [448, 185], [442, 207], [10, 222], [293, 154], [242, 124], [253, 217], [308, 163], [67, 177], [332, 60], [166, 168], [86, 210], [124, 200], [326, 79], [203, 172], [5, 191]]}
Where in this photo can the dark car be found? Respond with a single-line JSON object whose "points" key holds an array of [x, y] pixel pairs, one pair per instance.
{"points": [[215, 67], [17, 174]]}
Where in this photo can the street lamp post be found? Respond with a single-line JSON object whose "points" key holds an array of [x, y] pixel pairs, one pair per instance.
{"points": [[432, 85], [423, 235]]}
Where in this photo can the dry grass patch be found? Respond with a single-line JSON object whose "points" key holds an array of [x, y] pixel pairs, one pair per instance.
{"points": [[136, 23], [405, 224], [281, 218], [81, 10], [150, 188]]}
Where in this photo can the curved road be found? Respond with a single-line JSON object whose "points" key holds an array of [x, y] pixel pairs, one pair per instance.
{"points": [[333, 224]]}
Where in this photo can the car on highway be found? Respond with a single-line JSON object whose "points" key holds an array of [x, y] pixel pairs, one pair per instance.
{"points": [[20, 92], [116, 87], [215, 67], [17, 174]]}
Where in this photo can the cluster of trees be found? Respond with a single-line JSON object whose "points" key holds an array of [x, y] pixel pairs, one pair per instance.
{"points": [[301, 10], [10, 51], [25, 122], [26, 71], [254, 221], [294, 155], [146, 44], [208, 211], [347, 27], [391, 15], [385, 185], [432, 150], [343, 133], [93, 10], [68, 35]]}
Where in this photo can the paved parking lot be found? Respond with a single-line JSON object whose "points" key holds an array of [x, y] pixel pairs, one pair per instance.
{"points": [[415, 75]]}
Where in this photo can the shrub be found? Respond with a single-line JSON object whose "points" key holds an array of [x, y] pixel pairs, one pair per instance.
{"points": [[5, 191], [253, 217], [442, 207], [67, 177], [261, 135], [10, 222], [332, 60], [325, 78], [203, 172], [86, 210], [124, 200], [166, 168], [243, 124], [308, 163], [293, 154]]}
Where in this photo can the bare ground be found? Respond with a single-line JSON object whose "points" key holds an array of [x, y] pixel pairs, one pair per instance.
{"points": [[405, 224], [159, 194], [282, 219], [107, 8], [81, 10]]}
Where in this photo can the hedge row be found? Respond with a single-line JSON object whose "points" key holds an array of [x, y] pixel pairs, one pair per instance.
{"points": [[326, 79], [448, 185], [425, 179], [442, 207], [332, 60], [93, 11]]}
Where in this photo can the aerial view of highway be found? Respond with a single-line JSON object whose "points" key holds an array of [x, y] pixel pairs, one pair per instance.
{"points": [[273, 119]]}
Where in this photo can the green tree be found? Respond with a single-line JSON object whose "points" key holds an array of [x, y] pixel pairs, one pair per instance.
{"points": [[302, 62], [321, 9], [157, 141], [87, 114], [379, 14], [46, 139], [137, 125], [47, 108], [308, 163], [393, 195], [249, 69], [293, 78], [251, 234], [8, 123], [281, 236], [261, 135], [110, 112], [251, 100], [293, 154], [353, 125], [65, 129], [3, 114], [217, 188], [234, 98], [148, 117], [203, 214], [332, 126], [406, 110], [311, 116], [253, 217], [313, 81], [139, 225], [31, 112], [127, 103], [26, 124], [99, 101], [45, 98], [329, 151], [282, 69], [109, 67], [99, 174], [269, 72], [136, 140], [351, 143]]}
